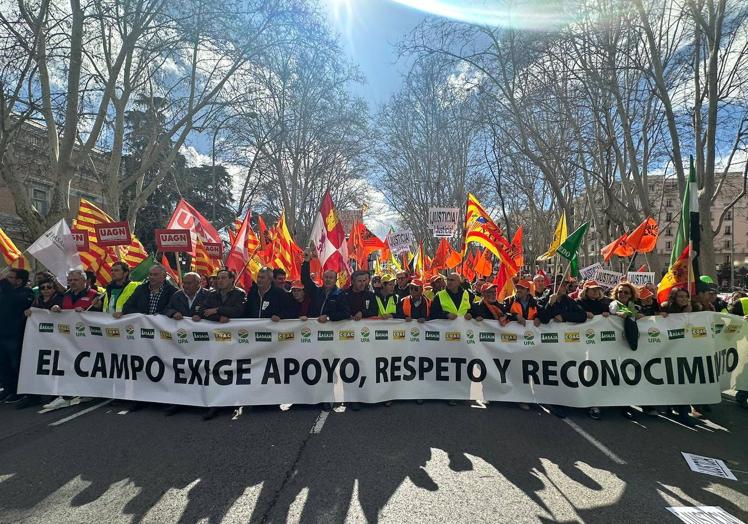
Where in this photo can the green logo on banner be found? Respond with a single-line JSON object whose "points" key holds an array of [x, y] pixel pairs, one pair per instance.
{"points": [[263, 336], [675, 334], [147, 333], [432, 335], [95, 331], [200, 336], [46, 327], [325, 336], [381, 334], [549, 338], [485, 336], [607, 336]]}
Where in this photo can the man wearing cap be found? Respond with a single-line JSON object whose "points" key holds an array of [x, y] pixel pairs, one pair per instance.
{"points": [[522, 307], [299, 304], [414, 305], [702, 300], [327, 301], [453, 301], [488, 307], [437, 283], [361, 302], [387, 299], [401, 289], [593, 301], [646, 304], [561, 308]]}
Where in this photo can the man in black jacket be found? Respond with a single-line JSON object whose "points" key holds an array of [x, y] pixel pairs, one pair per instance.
{"points": [[561, 308], [361, 302], [15, 298], [265, 300], [226, 301], [189, 301], [328, 300], [152, 296]]}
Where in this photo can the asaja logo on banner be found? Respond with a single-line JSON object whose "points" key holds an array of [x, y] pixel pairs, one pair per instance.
{"points": [[653, 335], [607, 336], [46, 327], [571, 336], [485, 336], [200, 336], [346, 335], [263, 336], [243, 336], [80, 329], [112, 332], [717, 328], [221, 335], [147, 333], [698, 331], [549, 338], [470, 336], [165, 335], [381, 334], [306, 335], [452, 336], [95, 331], [324, 336], [432, 335], [509, 337], [675, 334], [398, 334], [415, 334], [64, 329], [285, 336], [589, 336]]}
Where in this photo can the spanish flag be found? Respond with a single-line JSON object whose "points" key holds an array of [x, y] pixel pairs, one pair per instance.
{"points": [[677, 276]]}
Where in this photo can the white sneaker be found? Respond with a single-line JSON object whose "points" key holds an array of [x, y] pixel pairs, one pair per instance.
{"points": [[58, 403], [79, 400]]}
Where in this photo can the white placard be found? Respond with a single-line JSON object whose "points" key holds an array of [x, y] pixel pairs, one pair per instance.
{"points": [[704, 515], [443, 221], [590, 272], [607, 278], [708, 466], [639, 278], [400, 241]]}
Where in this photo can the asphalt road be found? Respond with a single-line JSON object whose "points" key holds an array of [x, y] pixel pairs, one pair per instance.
{"points": [[405, 463]]}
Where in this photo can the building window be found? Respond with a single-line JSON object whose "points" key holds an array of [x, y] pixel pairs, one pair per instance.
{"points": [[726, 260], [727, 244], [652, 188], [40, 199], [728, 230], [669, 202], [668, 246], [728, 216], [669, 216], [668, 232]]}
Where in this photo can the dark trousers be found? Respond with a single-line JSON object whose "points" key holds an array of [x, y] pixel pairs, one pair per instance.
{"points": [[10, 363]]}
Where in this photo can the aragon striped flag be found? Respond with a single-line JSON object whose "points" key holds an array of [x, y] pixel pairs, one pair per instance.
{"points": [[287, 254], [480, 228], [11, 254], [96, 258], [201, 262]]}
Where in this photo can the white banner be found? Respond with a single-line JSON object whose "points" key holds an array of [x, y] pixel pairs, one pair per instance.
{"points": [[639, 278], [682, 359]]}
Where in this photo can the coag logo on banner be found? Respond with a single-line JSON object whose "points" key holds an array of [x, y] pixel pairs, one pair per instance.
{"points": [[130, 332], [528, 338], [200, 336], [346, 335], [381, 334], [432, 336], [571, 336], [182, 336], [80, 329], [509, 338], [64, 329], [732, 329], [221, 335], [698, 331], [46, 327], [147, 333], [487, 336], [653, 335], [243, 336], [112, 332], [415, 334], [452, 336], [95, 331], [398, 334], [263, 336], [306, 335], [675, 334], [365, 334], [324, 336], [286, 336], [549, 338], [589, 336], [607, 336], [165, 335], [469, 336], [717, 328]]}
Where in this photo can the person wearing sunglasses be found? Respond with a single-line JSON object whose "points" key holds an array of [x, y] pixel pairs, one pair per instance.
{"points": [[48, 296]]}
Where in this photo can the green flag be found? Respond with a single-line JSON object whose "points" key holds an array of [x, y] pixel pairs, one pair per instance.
{"points": [[684, 224], [140, 273], [569, 247]]}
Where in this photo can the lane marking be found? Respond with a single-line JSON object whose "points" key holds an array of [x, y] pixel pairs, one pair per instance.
{"points": [[81, 412], [592, 440], [317, 428]]}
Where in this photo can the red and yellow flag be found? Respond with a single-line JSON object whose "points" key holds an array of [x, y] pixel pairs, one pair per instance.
{"points": [[202, 263], [96, 258], [480, 228], [677, 276], [287, 255], [11, 254]]}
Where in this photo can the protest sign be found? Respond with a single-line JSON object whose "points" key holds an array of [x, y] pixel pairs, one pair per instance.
{"points": [[443, 221], [590, 272], [214, 249], [113, 234], [400, 241], [639, 278], [80, 237], [608, 278], [173, 240]]}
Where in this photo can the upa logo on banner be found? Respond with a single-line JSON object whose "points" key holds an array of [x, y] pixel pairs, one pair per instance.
{"points": [[653, 335], [306, 335], [80, 329], [113, 234], [640, 278], [173, 240], [528, 339], [589, 336], [243, 336], [469, 336], [365, 333], [415, 334], [182, 336]]}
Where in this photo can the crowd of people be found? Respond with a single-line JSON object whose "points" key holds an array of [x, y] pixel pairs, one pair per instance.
{"points": [[536, 300]]}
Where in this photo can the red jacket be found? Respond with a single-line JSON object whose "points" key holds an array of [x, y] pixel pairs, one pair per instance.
{"points": [[83, 301]]}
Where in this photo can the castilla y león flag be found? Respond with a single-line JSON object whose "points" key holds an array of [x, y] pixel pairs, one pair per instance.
{"points": [[328, 237]]}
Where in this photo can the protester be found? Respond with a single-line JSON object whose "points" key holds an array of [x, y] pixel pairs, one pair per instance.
{"points": [[92, 282], [560, 308], [190, 301], [541, 291], [152, 296], [415, 305], [401, 290], [679, 301], [264, 300], [279, 279], [376, 283], [15, 298], [360, 302], [522, 307], [703, 298], [79, 296], [48, 296], [592, 300], [647, 305], [119, 290], [387, 299], [226, 301], [436, 284], [739, 304], [327, 301], [300, 303], [489, 308], [453, 301]]}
